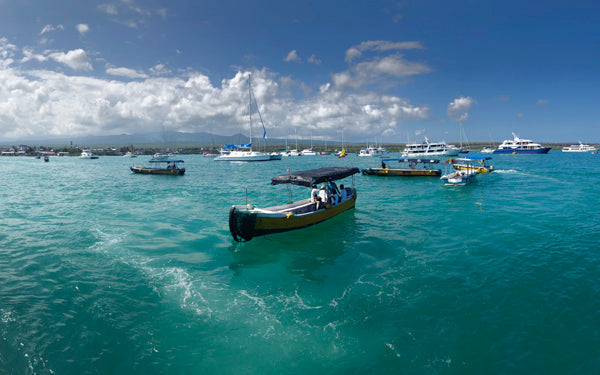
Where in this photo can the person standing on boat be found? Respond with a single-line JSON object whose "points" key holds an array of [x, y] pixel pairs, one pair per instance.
{"points": [[314, 193], [323, 195], [383, 165]]}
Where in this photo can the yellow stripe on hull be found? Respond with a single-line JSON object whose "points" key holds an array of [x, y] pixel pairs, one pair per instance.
{"points": [[480, 169], [291, 222]]}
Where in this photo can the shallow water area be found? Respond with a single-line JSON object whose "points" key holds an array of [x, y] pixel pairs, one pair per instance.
{"points": [[105, 271]]}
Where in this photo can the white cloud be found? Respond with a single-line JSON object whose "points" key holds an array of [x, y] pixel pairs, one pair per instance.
{"points": [[313, 60], [292, 56], [82, 28], [379, 46], [49, 28], [129, 13], [46, 102], [541, 102], [75, 59], [458, 109], [379, 70], [126, 72]]}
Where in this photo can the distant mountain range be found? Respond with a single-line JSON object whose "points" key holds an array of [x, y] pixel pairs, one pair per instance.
{"points": [[153, 138]]}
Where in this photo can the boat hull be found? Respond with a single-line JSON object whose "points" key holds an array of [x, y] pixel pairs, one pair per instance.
{"points": [[458, 179], [401, 172], [246, 222], [249, 157], [542, 150], [144, 170]]}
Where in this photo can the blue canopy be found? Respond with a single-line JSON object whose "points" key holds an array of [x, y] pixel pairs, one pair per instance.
{"points": [[478, 157]]}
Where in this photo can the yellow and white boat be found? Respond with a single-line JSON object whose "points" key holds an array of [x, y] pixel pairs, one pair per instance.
{"points": [[480, 164], [248, 221]]}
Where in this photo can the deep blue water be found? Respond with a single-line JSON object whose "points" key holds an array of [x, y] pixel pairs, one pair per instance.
{"points": [[107, 272]]}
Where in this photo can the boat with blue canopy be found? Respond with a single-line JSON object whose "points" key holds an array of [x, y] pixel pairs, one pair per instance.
{"points": [[170, 167], [249, 221], [409, 167]]}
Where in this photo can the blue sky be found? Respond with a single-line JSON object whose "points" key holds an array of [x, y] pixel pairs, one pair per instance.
{"points": [[383, 71]]}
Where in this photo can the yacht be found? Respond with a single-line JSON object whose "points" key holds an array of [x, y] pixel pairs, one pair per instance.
{"points": [[579, 148], [520, 146], [427, 149]]}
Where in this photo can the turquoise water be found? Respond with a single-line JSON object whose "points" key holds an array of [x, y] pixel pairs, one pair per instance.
{"points": [[107, 272]]}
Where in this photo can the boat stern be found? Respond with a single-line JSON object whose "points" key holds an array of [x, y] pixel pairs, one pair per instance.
{"points": [[241, 223]]}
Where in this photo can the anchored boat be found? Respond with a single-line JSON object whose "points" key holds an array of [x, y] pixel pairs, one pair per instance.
{"points": [[411, 167], [248, 221], [468, 163], [170, 168]]}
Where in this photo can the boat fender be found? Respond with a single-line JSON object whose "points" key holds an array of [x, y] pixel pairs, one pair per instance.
{"points": [[288, 215]]}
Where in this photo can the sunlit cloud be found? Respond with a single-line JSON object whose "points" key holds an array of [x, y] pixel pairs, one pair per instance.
{"points": [[82, 28], [458, 109], [47, 102]]}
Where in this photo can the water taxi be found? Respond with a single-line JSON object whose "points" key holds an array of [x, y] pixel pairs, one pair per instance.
{"points": [[411, 167], [463, 176], [479, 163], [171, 167], [248, 221]]}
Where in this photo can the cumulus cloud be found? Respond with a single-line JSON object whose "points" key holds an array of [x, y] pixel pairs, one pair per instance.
{"points": [[82, 28], [126, 72], [541, 102], [47, 102], [458, 109], [292, 56], [75, 59]]}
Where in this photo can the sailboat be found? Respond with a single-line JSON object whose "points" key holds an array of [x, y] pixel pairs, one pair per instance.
{"points": [[244, 152], [464, 149]]}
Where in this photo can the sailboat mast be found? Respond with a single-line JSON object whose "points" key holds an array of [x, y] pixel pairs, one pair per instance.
{"points": [[250, 107]]}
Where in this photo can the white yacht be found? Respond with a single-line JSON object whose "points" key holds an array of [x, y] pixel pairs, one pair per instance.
{"points": [[579, 148], [520, 146], [427, 149]]}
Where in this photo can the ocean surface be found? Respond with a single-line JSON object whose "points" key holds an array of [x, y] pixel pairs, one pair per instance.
{"points": [[107, 272]]}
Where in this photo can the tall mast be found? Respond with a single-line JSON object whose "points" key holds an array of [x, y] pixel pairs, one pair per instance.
{"points": [[250, 106]]}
